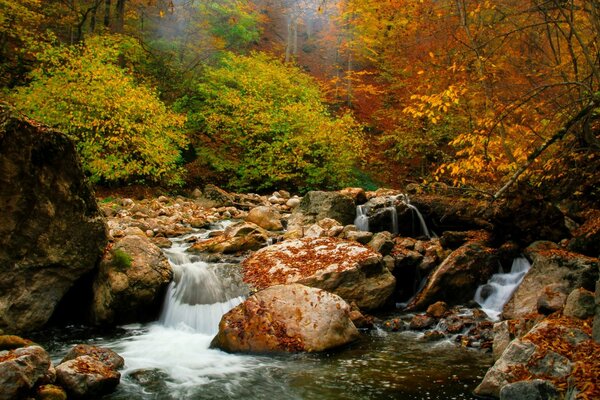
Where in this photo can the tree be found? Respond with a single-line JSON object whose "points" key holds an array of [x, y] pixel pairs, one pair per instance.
{"points": [[123, 132], [263, 125]]}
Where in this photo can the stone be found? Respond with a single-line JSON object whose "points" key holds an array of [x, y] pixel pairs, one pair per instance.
{"points": [[457, 278], [104, 355], [421, 322], [552, 298], [11, 342], [382, 242], [550, 265], [580, 304], [293, 202], [316, 206], [437, 310], [218, 196], [586, 238], [196, 193], [52, 231], [287, 318], [360, 237], [21, 369], [354, 272], [243, 236], [327, 227], [86, 377], [358, 195], [50, 392], [131, 282], [536, 389], [266, 217]]}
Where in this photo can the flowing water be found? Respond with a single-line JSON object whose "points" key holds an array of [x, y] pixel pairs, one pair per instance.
{"points": [[172, 358], [497, 291]]}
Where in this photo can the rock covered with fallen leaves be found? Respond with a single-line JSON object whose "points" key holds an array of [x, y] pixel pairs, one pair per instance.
{"points": [[354, 272], [287, 318], [559, 349], [21, 369]]}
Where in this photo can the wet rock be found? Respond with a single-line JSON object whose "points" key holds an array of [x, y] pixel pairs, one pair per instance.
{"points": [[104, 355], [580, 304], [316, 206], [395, 325], [421, 322], [287, 318], [86, 377], [536, 389], [437, 310], [266, 217], [358, 195], [458, 277], [131, 282], [432, 336], [218, 196], [243, 236], [51, 232], [50, 392], [550, 265], [21, 369], [452, 213], [382, 242], [352, 271], [11, 342], [552, 298], [153, 380]]}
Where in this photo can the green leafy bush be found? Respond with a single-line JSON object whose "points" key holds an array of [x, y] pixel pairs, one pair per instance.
{"points": [[263, 125]]}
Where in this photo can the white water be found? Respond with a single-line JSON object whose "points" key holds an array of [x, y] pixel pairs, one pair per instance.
{"points": [[497, 291], [361, 221]]}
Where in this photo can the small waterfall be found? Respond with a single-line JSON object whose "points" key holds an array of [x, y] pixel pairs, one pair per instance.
{"points": [[362, 220], [497, 291]]}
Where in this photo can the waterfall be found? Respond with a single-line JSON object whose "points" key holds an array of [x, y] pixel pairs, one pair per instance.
{"points": [[362, 220], [422, 223], [497, 291]]}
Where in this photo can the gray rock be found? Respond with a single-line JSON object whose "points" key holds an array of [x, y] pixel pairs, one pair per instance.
{"points": [[20, 369], [580, 304], [86, 377], [316, 206], [382, 242], [536, 389], [552, 298], [52, 231], [104, 355], [218, 196], [360, 237]]}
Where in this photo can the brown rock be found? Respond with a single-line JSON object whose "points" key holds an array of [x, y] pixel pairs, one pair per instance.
{"points": [[552, 298], [11, 342], [358, 195], [21, 369], [244, 236], [352, 271], [266, 217], [421, 322], [437, 310], [86, 377], [287, 318], [104, 355], [580, 304], [50, 392]]}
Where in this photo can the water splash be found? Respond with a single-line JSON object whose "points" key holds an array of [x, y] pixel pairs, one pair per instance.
{"points": [[362, 220], [497, 291]]}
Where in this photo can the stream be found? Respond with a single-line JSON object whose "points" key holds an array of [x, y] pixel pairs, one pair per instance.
{"points": [[171, 358]]}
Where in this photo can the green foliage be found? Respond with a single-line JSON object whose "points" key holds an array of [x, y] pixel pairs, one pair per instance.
{"points": [[266, 127], [121, 259], [123, 131], [235, 22]]}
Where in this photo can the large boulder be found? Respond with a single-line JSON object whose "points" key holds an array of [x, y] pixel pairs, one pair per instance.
{"points": [[580, 304], [316, 206], [218, 196], [102, 354], [586, 238], [131, 282], [21, 369], [243, 236], [266, 217], [536, 389], [354, 272], [87, 377], [287, 318], [52, 232], [551, 265], [596, 322], [559, 350], [457, 278]]}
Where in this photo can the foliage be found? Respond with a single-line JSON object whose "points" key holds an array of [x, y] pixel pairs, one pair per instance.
{"points": [[269, 128], [121, 259], [123, 131]]}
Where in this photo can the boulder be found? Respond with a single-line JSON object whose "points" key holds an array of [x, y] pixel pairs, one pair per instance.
{"points": [[86, 377], [316, 206], [104, 355], [326, 227], [131, 282], [457, 278], [551, 350], [382, 242], [287, 318], [11, 342], [52, 231], [266, 217], [358, 195], [359, 236], [550, 265], [437, 310], [586, 238], [536, 389], [243, 236], [218, 196], [580, 304], [21, 369], [552, 298], [421, 322], [354, 272], [596, 323]]}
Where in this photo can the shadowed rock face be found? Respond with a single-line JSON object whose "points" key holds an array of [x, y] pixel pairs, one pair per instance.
{"points": [[51, 230]]}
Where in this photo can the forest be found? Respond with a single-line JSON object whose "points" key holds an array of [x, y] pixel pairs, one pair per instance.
{"points": [[480, 96]]}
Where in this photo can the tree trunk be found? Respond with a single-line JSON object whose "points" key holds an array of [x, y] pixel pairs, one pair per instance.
{"points": [[120, 19], [107, 4]]}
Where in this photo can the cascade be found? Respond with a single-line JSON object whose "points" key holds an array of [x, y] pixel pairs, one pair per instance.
{"points": [[362, 220], [497, 291]]}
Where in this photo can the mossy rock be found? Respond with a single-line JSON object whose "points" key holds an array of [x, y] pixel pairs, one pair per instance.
{"points": [[11, 342], [50, 392]]}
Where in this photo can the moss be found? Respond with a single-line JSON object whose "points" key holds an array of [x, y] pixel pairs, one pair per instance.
{"points": [[121, 259], [51, 392]]}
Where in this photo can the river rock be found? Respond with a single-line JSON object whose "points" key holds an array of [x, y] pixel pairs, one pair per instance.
{"points": [[316, 206], [438, 310], [354, 272], [218, 196], [552, 298], [382, 242], [586, 238], [243, 236], [131, 282], [358, 195], [457, 278], [580, 304], [327, 227], [536, 389], [550, 265], [287, 318], [52, 231], [21, 369], [104, 355], [86, 377], [266, 217]]}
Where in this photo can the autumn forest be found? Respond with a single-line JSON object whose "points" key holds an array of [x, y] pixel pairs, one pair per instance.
{"points": [[482, 96]]}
